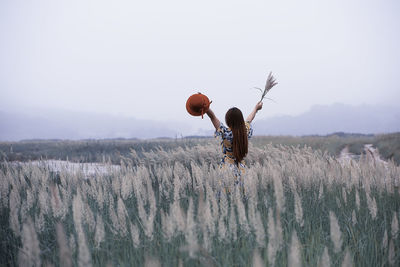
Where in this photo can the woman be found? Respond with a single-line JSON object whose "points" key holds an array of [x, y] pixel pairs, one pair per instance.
{"points": [[234, 138]]}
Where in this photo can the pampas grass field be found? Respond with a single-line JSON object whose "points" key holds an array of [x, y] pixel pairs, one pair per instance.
{"points": [[175, 207]]}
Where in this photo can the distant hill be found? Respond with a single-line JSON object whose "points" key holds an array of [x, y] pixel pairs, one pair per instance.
{"points": [[319, 120], [323, 120], [349, 135], [70, 125]]}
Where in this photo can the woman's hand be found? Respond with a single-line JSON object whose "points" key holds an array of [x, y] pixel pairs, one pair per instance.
{"points": [[259, 106], [251, 116]]}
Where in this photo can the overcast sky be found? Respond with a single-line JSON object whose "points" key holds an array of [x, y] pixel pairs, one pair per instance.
{"points": [[145, 58]]}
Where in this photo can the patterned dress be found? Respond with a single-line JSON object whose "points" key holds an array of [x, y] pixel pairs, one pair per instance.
{"points": [[228, 159]]}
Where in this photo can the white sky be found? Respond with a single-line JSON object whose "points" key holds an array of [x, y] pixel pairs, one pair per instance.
{"points": [[145, 58]]}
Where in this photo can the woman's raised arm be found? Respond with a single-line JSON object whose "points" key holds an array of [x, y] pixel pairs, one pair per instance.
{"points": [[251, 116], [215, 121]]}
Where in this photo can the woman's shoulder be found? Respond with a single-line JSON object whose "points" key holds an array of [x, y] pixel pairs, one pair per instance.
{"points": [[248, 125], [223, 131], [249, 129]]}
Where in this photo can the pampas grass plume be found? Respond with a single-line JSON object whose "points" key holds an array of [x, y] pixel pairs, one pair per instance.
{"points": [[232, 223], [395, 225], [135, 235], [336, 234], [65, 254], [357, 200], [371, 203], [294, 259], [385, 240], [257, 260], [272, 242], [278, 189], [29, 255], [347, 260], [99, 232], [122, 216], [324, 261], [298, 209], [353, 217], [15, 201], [392, 254]]}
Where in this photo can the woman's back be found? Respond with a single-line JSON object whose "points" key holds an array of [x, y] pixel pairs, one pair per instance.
{"points": [[226, 136]]}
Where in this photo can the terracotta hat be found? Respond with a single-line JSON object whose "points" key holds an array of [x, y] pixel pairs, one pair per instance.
{"points": [[198, 104]]}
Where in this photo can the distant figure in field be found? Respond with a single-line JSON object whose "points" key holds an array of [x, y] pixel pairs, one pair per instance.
{"points": [[234, 138]]}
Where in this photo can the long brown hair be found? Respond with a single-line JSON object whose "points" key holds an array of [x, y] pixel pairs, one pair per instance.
{"points": [[234, 119]]}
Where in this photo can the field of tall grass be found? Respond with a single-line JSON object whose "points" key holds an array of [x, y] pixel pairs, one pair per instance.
{"points": [[115, 149], [175, 207]]}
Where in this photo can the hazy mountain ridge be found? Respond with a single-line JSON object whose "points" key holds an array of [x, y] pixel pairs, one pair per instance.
{"points": [[73, 125], [319, 120], [323, 120]]}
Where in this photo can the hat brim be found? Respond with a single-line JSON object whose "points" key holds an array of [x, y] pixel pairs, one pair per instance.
{"points": [[197, 104]]}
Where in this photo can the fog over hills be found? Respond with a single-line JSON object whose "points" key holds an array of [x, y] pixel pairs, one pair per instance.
{"points": [[320, 120], [73, 125], [324, 120]]}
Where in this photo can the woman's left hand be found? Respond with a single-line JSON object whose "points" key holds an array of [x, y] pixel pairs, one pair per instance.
{"points": [[259, 106]]}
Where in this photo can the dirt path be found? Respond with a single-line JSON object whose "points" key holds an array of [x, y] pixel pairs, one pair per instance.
{"points": [[371, 152], [345, 154]]}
